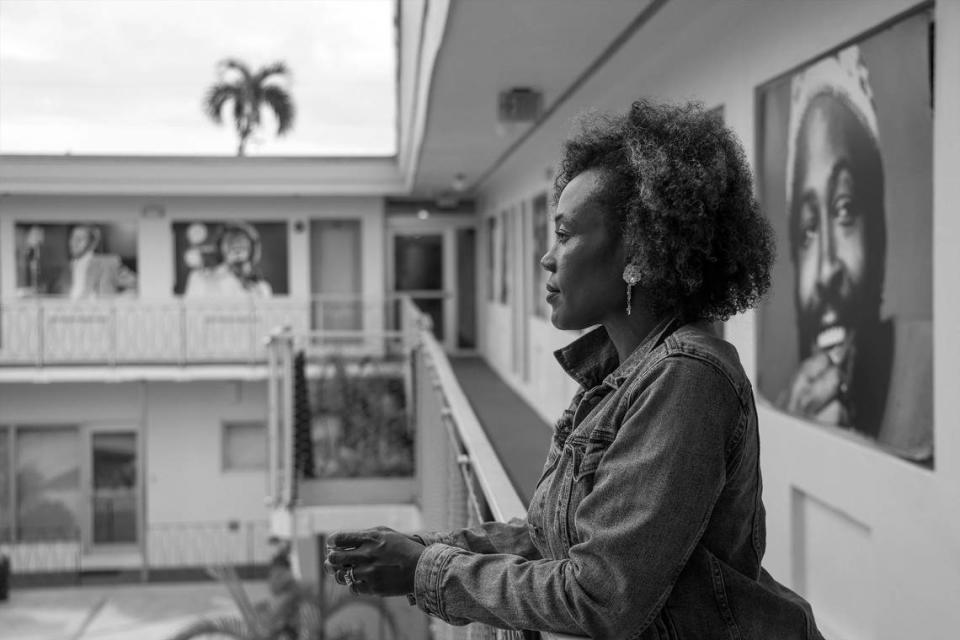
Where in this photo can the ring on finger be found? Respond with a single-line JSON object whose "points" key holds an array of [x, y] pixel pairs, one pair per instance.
{"points": [[338, 575], [349, 577]]}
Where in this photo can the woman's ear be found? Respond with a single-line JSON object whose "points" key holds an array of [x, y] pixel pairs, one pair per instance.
{"points": [[631, 274]]}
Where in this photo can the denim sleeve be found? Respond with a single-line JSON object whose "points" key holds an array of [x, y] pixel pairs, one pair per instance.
{"points": [[653, 494], [511, 537]]}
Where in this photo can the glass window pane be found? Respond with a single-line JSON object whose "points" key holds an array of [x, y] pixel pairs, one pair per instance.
{"points": [[418, 263], [48, 482], [115, 487], [244, 445]]}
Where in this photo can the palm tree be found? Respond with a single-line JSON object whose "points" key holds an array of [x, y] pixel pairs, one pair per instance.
{"points": [[249, 92]]}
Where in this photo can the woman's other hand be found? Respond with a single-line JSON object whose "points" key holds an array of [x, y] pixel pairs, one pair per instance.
{"points": [[377, 561]]}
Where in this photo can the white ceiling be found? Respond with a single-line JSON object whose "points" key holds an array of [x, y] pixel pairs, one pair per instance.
{"points": [[493, 45]]}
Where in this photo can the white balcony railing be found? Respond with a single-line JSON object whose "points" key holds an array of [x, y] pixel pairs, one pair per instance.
{"points": [[47, 331]]}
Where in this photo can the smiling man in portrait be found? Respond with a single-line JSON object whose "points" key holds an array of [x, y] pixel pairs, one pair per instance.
{"points": [[858, 369]]}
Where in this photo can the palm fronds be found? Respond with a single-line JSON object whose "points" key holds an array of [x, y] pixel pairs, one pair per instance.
{"points": [[249, 92], [282, 106]]}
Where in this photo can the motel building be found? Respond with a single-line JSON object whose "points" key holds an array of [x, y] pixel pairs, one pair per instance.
{"points": [[387, 357]]}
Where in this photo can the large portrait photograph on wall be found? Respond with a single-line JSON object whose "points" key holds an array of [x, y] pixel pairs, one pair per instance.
{"points": [[845, 337], [82, 260], [230, 258]]}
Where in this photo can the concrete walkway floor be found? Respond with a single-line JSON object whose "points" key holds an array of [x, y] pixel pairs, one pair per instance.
{"points": [[115, 612], [518, 434]]}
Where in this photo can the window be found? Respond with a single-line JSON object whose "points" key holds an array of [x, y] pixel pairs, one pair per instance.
{"points": [[48, 482], [244, 446]]}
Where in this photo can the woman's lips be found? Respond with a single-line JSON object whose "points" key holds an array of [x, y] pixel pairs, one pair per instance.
{"points": [[552, 293]]}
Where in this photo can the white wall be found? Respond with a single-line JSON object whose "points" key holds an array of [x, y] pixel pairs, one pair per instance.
{"points": [[873, 541], [181, 424], [186, 479]]}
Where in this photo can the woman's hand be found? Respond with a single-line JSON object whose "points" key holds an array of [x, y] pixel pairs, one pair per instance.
{"points": [[377, 561]]}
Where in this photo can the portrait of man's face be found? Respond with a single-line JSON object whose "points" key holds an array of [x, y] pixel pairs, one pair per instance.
{"points": [[82, 240], [845, 178], [837, 227]]}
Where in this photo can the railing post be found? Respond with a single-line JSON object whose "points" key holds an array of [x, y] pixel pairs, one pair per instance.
{"points": [[182, 314], [252, 338], [286, 430], [273, 418], [250, 551], [113, 333], [41, 329]]}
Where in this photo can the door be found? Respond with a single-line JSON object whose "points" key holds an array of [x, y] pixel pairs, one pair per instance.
{"points": [[114, 507], [335, 275], [418, 271], [436, 267]]}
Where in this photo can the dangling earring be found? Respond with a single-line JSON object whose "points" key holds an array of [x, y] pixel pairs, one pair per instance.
{"points": [[631, 275]]}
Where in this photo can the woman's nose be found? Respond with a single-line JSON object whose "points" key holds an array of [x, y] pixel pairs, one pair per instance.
{"points": [[548, 262]]}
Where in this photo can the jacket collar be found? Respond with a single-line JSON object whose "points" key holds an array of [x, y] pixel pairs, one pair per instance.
{"points": [[592, 358]]}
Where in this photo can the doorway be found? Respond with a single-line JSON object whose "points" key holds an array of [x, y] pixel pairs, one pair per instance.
{"points": [[112, 485], [435, 264]]}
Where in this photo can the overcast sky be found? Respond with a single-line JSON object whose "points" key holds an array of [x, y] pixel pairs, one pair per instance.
{"points": [[129, 76]]}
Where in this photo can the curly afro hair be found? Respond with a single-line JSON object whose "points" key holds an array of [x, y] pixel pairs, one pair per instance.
{"points": [[677, 188]]}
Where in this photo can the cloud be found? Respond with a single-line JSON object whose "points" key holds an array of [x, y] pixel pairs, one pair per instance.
{"points": [[129, 77]]}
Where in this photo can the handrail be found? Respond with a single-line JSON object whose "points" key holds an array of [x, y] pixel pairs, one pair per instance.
{"points": [[498, 490], [478, 456], [44, 331]]}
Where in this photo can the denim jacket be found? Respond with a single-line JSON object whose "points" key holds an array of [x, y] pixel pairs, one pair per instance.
{"points": [[647, 521]]}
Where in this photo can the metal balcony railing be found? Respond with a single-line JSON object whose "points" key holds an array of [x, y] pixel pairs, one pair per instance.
{"points": [[168, 545], [123, 331], [461, 481]]}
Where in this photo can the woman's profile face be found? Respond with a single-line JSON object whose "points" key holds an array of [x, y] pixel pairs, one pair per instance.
{"points": [[586, 261]]}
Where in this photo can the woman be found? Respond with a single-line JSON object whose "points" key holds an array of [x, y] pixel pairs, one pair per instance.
{"points": [[647, 521]]}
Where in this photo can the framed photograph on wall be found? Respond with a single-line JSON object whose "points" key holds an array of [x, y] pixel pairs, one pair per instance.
{"points": [[845, 166], [230, 258], [83, 260]]}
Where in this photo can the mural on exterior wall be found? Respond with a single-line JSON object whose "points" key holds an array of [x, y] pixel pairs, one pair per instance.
{"points": [[541, 244], [81, 261], [233, 258], [846, 335]]}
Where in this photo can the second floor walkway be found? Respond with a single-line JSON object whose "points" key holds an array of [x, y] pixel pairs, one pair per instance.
{"points": [[519, 436]]}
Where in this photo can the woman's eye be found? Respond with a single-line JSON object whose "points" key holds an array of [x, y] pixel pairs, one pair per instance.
{"points": [[562, 236]]}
